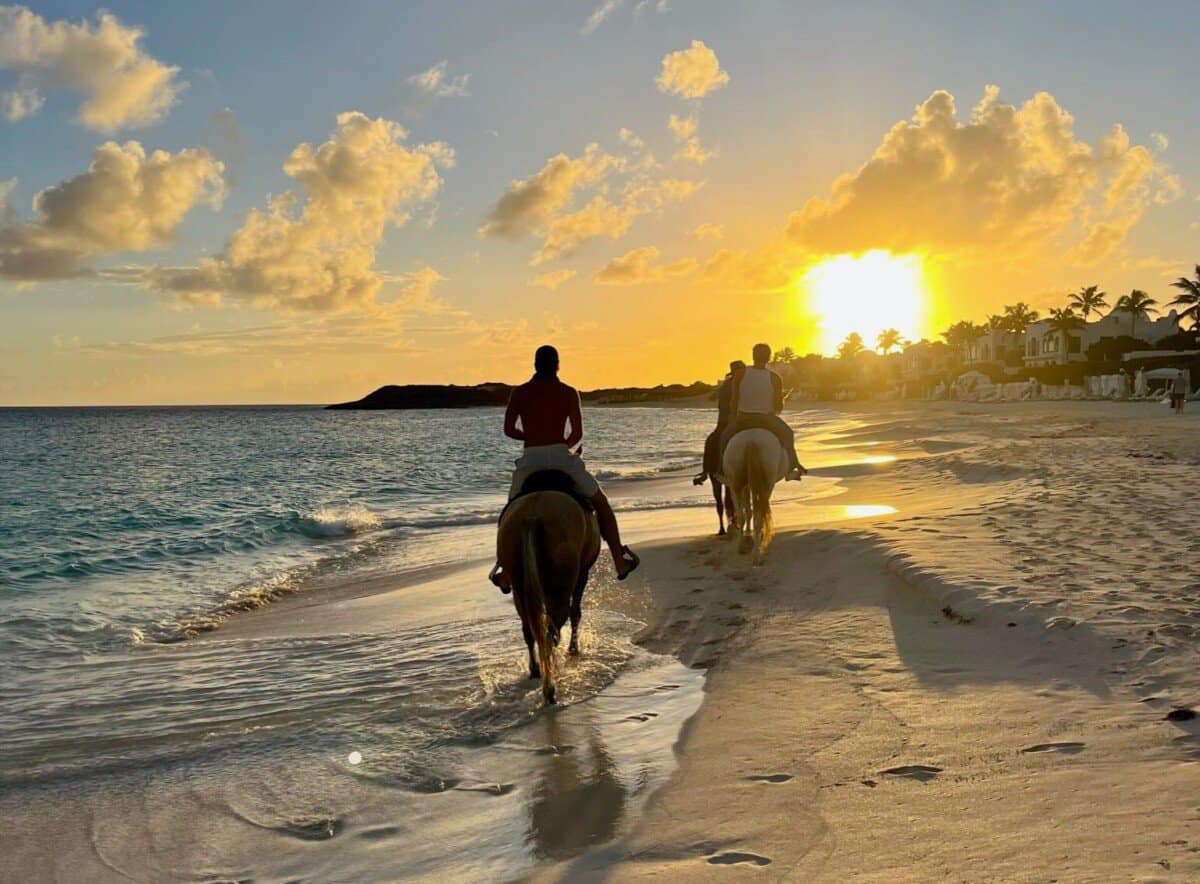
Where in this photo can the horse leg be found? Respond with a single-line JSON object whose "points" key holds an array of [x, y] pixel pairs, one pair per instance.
{"points": [[720, 499], [535, 671], [576, 614], [730, 508]]}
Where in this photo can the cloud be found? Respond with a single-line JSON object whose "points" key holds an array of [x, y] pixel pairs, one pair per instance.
{"points": [[641, 265], [319, 253], [684, 129], [692, 72], [432, 84], [553, 279], [22, 102], [528, 206], [766, 269], [541, 204], [127, 201], [708, 232], [630, 140], [416, 292], [599, 14], [122, 85], [567, 233], [1009, 178]]}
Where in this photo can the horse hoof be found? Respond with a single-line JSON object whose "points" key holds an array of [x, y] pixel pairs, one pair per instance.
{"points": [[535, 675], [549, 695], [573, 651]]}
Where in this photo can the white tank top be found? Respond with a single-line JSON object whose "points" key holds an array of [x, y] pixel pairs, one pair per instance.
{"points": [[756, 393]]}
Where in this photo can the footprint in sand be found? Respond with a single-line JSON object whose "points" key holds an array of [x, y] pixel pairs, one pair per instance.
{"points": [[769, 778], [732, 857], [641, 716], [921, 772], [1064, 748]]}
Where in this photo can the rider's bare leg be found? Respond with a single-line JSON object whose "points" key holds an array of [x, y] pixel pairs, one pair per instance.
{"points": [[607, 520]]}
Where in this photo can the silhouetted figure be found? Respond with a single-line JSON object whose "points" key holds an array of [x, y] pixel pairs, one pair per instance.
{"points": [[757, 400], [1179, 391], [539, 412], [712, 444]]}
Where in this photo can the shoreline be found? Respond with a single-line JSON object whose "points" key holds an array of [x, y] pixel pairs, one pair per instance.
{"points": [[944, 670]]}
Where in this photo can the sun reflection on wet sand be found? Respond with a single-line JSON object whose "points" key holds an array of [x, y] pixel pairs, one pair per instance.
{"points": [[865, 510]]}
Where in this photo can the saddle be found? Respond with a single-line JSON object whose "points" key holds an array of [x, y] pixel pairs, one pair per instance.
{"points": [[550, 480]]}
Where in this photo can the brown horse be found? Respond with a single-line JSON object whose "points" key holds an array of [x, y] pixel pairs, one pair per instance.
{"points": [[547, 542], [722, 495]]}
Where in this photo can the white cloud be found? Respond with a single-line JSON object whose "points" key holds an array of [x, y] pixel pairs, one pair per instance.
{"points": [[599, 14], [320, 255], [1008, 178], [684, 129], [540, 205], [127, 201], [122, 85], [691, 73], [641, 266], [22, 102], [433, 83]]}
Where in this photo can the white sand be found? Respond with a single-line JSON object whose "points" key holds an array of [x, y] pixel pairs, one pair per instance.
{"points": [[853, 731]]}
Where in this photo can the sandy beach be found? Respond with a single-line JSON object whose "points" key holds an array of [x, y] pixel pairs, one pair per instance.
{"points": [[957, 663], [973, 688]]}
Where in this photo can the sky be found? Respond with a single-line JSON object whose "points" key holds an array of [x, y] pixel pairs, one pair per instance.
{"points": [[300, 202]]}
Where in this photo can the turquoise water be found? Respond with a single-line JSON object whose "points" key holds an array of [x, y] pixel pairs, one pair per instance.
{"points": [[126, 528]]}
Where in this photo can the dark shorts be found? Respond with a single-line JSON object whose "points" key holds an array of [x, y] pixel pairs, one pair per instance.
{"points": [[1177, 398]]}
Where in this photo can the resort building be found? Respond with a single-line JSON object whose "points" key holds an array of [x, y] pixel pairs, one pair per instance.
{"points": [[1042, 345]]}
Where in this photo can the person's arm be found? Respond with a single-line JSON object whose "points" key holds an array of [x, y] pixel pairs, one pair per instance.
{"points": [[511, 415], [777, 388], [575, 416], [734, 396]]}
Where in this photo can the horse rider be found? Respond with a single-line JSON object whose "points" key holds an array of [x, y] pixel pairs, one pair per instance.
{"points": [[538, 414], [712, 444], [757, 400]]}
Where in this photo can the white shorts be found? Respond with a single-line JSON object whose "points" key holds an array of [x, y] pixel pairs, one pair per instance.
{"points": [[553, 457]]}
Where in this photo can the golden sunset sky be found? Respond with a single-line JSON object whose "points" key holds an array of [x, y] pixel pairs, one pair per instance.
{"points": [[277, 202]]}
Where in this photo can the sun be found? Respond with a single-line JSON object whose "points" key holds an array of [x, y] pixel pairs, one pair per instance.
{"points": [[866, 293]]}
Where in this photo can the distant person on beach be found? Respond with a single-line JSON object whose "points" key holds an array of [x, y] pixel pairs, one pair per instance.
{"points": [[712, 445], [539, 412], [757, 400], [1179, 389]]}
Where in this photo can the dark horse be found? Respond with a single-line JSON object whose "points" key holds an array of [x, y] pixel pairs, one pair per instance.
{"points": [[712, 471], [547, 541]]}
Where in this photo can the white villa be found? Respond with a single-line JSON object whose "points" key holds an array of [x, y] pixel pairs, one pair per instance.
{"points": [[1041, 345]]}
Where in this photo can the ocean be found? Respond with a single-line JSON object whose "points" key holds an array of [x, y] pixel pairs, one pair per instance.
{"points": [[133, 539]]}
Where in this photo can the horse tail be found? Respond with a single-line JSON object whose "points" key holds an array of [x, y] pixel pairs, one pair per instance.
{"points": [[762, 483], [531, 531]]}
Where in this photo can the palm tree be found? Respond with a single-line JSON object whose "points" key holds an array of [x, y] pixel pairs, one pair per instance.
{"points": [[1062, 323], [851, 346], [1190, 298], [786, 356], [1136, 303], [888, 338], [1019, 317], [996, 322], [960, 336], [1089, 300]]}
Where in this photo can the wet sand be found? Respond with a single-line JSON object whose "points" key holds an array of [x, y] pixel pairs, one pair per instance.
{"points": [[924, 695]]}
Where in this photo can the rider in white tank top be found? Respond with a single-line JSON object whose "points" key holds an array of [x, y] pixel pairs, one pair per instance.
{"points": [[756, 394]]}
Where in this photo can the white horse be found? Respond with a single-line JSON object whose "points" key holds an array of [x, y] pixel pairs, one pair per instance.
{"points": [[753, 462]]}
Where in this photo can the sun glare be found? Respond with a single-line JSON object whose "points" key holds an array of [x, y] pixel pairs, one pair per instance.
{"points": [[866, 293]]}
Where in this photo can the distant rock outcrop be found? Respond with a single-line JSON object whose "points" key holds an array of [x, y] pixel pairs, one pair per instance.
{"points": [[453, 396]]}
